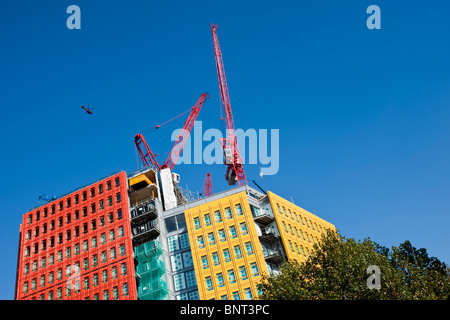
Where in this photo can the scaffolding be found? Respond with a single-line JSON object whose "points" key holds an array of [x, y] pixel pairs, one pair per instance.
{"points": [[150, 271]]}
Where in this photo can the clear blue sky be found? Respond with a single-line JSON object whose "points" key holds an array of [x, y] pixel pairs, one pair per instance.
{"points": [[363, 114]]}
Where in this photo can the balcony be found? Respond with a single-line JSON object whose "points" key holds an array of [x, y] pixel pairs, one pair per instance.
{"points": [[144, 212], [262, 216], [274, 256], [269, 234], [145, 232]]}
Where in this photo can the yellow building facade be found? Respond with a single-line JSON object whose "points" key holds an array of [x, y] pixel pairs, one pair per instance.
{"points": [[226, 251], [237, 238], [299, 229]]}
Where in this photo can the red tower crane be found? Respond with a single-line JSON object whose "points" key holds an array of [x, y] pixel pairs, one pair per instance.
{"points": [[208, 185], [235, 171], [148, 156]]}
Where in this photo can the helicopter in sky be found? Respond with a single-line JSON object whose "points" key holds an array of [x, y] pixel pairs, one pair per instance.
{"points": [[88, 110]]}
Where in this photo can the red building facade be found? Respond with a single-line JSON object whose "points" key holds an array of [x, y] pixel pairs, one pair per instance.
{"points": [[79, 247]]}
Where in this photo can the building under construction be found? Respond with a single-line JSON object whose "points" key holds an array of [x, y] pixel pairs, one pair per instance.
{"points": [[138, 235]]}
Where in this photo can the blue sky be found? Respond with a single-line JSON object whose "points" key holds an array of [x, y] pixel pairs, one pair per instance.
{"points": [[363, 114]]}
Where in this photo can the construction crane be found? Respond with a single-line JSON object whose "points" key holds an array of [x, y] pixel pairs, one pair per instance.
{"points": [[148, 157], [208, 185], [233, 160]]}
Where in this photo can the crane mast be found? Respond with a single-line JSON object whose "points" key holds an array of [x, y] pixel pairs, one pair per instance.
{"points": [[233, 160]]}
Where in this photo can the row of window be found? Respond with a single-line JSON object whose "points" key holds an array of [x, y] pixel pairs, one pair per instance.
{"points": [[184, 280], [297, 250], [76, 200], [303, 220], [76, 215], [73, 272], [51, 258], [68, 236], [217, 216], [193, 295], [178, 242], [314, 239], [231, 276], [222, 235], [226, 255], [105, 294]]}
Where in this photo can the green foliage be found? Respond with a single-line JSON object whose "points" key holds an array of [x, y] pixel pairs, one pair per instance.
{"points": [[337, 270]]}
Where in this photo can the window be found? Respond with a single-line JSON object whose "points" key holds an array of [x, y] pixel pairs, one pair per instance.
{"points": [[211, 238], [100, 204], [218, 216], [124, 268], [86, 264], [92, 192], [110, 217], [243, 273], [60, 255], [105, 276], [68, 235], [52, 225], [115, 293], [125, 289], [205, 262], [94, 260], [44, 228], [200, 242], [86, 283], [103, 256], [249, 248], [76, 199], [197, 223], [118, 197], [93, 224], [35, 265], [113, 253], [59, 274], [111, 235], [105, 295], [207, 219], [238, 209], [183, 296], [228, 213], [93, 208], [177, 262], [85, 245], [231, 276], [233, 232], [220, 281], [77, 231], [244, 228], [94, 242], [109, 201], [102, 238], [68, 252], [215, 257], [117, 181], [100, 189], [120, 232], [60, 206], [248, 294], [290, 246], [254, 269], [51, 259], [187, 259], [173, 243], [184, 240], [179, 281], [190, 279], [95, 279], [237, 251], [119, 214], [193, 295], [102, 221], [236, 295], [108, 185], [208, 283], [113, 272], [122, 249], [226, 255], [222, 236], [84, 211], [50, 277], [30, 219], [27, 268]]}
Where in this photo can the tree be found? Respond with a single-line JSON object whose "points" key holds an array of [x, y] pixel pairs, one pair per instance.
{"points": [[337, 270]]}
